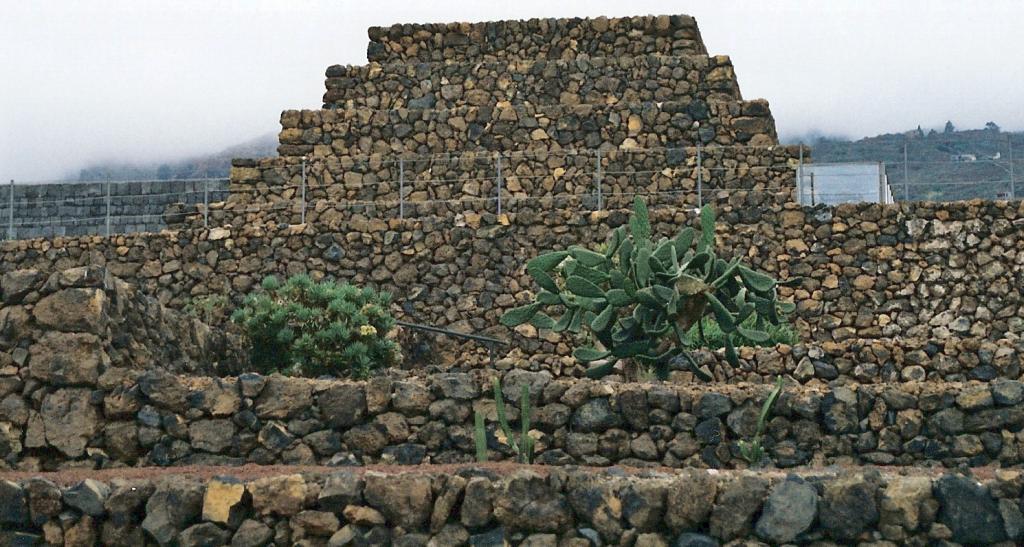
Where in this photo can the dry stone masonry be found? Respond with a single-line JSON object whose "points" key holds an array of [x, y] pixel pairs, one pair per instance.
{"points": [[910, 320], [482, 505], [564, 105]]}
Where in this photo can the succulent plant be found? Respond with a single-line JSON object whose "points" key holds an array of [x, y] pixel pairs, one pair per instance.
{"points": [[523, 447], [640, 297]]}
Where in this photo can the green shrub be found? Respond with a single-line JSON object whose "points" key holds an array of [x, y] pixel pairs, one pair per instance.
{"points": [[311, 329], [639, 297]]}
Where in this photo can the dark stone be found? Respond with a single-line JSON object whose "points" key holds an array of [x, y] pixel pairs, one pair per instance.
{"points": [[425, 102], [251, 384], [1007, 392], [709, 431], [595, 415], [252, 533], [13, 504], [848, 508], [490, 538], [968, 510], [343, 405], [88, 497], [44, 500], [206, 534], [789, 511], [171, 509], [712, 405], [690, 539], [406, 453]]}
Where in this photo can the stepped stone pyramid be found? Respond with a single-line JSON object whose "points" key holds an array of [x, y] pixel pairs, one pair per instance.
{"points": [[553, 97]]}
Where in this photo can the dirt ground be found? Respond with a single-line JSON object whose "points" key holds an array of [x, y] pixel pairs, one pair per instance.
{"points": [[245, 472]]}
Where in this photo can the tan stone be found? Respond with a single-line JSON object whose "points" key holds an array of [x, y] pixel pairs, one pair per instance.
{"points": [[363, 516], [283, 495], [223, 500]]}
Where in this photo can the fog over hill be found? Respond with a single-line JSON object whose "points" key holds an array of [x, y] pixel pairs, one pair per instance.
{"points": [[215, 165]]}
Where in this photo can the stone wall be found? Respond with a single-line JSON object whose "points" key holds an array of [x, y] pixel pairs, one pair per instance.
{"points": [[920, 270], [449, 85], [486, 506], [68, 327], [444, 186], [358, 133], [536, 39], [153, 417], [72, 209]]}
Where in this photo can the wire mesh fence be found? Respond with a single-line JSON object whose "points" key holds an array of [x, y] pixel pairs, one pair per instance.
{"points": [[417, 185]]}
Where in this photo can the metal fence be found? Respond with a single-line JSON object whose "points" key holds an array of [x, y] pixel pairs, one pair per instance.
{"points": [[492, 182], [685, 177], [925, 174], [100, 207], [834, 183]]}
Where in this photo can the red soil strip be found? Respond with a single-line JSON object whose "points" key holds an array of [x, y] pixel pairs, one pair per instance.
{"points": [[252, 471]]}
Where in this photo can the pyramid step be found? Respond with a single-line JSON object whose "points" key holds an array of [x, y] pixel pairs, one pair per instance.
{"points": [[536, 39], [359, 132], [409, 419], [596, 81]]}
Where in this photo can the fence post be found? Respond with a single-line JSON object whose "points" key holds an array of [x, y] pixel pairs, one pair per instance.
{"points": [[800, 177], [206, 203], [302, 213], [597, 180], [881, 182], [700, 177], [401, 187], [812, 189], [10, 214], [498, 177], [1009, 146], [108, 207], [906, 174]]}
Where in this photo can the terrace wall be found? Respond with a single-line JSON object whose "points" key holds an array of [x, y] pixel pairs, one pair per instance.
{"points": [[358, 133], [491, 506], [536, 39], [594, 81], [918, 270], [152, 417]]}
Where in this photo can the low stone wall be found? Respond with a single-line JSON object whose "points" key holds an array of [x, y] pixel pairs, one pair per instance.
{"points": [[871, 361], [536, 39], [358, 133], [595, 81], [67, 327], [528, 507], [73, 209], [468, 182], [918, 270], [132, 417]]}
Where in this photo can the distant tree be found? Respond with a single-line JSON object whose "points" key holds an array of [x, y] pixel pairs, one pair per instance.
{"points": [[949, 128], [920, 132], [991, 126], [932, 132], [164, 172]]}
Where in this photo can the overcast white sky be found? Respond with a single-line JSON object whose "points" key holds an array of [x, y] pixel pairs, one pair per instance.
{"points": [[84, 81]]}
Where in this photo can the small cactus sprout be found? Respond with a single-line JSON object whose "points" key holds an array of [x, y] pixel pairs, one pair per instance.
{"points": [[752, 450], [523, 447], [639, 297]]}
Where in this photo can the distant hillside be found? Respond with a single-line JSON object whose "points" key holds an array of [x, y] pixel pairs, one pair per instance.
{"points": [[943, 164], [213, 166]]}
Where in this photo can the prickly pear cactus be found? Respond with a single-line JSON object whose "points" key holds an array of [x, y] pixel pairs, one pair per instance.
{"points": [[640, 297]]}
